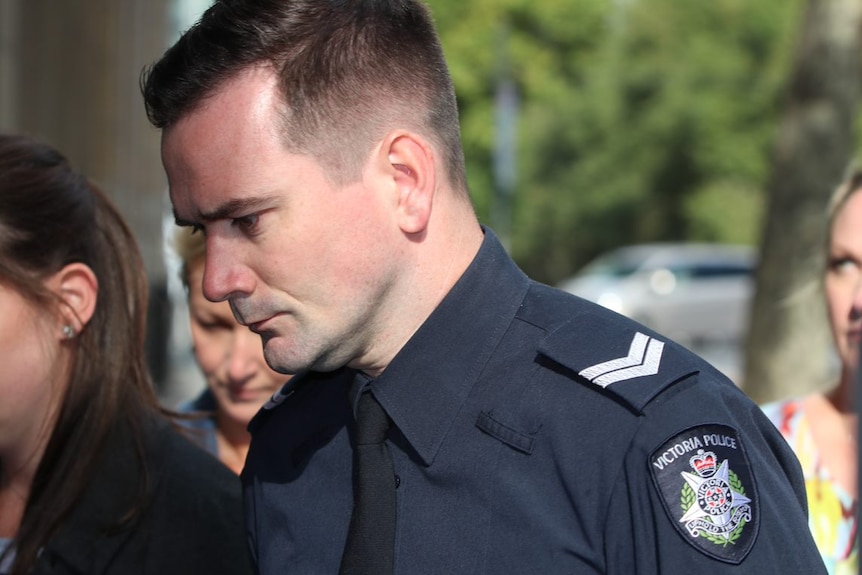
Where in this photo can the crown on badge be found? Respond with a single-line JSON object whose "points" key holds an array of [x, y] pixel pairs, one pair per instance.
{"points": [[703, 463]]}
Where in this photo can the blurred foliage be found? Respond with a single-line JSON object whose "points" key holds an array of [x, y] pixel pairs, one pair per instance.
{"points": [[639, 120]]}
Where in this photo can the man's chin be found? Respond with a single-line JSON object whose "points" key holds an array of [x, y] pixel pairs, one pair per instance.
{"points": [[277, 359]]}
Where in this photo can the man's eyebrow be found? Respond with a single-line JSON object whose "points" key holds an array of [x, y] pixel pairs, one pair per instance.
{"points": [[230, 209]]}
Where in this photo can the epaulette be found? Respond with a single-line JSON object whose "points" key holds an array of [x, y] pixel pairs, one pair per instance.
{"points": [[285, 391], [333, 382], [613, 353]]}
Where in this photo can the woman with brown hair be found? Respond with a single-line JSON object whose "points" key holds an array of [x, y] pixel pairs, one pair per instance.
{"points": [[93, 477]]}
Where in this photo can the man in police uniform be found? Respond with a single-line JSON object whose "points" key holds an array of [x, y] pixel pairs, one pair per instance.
{"points": [[316, 143]]}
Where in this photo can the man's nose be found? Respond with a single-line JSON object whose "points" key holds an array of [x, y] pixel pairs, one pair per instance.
{"points": [[224, 274]]}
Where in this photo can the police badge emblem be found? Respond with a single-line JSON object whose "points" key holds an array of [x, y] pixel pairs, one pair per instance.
{"points": [[708, 490]]}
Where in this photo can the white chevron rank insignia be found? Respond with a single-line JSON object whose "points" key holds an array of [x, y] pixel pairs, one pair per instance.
{"points": [[643, 359]]}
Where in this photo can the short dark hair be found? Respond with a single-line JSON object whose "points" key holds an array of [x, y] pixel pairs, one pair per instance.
{"points": [[349, 71]]}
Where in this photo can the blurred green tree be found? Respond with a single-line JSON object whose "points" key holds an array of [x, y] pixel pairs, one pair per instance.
{"points": [[789, 342], [638, 120]]}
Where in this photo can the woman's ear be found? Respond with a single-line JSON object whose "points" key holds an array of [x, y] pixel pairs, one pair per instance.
{"points": [[77, 288], [411, 164]]}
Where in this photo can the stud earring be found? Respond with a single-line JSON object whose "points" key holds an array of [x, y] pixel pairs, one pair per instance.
{"points": [[68, 331]]}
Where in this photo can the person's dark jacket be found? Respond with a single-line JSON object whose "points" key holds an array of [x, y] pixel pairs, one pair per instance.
{"points": [[192, 521]]}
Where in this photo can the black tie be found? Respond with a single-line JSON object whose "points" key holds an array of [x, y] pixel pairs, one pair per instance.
{"points": [[370, 547]]}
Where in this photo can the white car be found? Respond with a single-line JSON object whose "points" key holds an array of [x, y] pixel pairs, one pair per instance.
{"points": [[697, 294]]}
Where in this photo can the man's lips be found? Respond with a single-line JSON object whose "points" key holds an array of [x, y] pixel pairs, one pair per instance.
{"points": [[257, 326]]}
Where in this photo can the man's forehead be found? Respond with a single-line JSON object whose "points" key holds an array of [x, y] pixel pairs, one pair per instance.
{"points": [[219, 145], [241, 111], [184, 214]]}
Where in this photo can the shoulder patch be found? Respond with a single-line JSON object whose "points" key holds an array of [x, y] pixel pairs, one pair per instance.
{"points": [[619, 355], [707, 489]]}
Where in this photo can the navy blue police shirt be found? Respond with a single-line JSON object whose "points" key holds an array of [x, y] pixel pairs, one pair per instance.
{"points": [[534, 432]]}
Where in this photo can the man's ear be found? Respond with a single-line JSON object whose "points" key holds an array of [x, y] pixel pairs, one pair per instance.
{"points": [[411, 165], [78, 289]]}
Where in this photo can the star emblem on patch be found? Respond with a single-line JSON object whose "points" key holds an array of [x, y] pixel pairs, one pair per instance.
{"points": [[708, 490], [713, 501]]}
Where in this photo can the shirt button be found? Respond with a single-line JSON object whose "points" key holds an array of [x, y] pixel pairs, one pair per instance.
{"points": [[397, 481]]}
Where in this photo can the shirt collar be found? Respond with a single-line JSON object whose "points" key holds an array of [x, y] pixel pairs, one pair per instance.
{"points": [[425, 385]]}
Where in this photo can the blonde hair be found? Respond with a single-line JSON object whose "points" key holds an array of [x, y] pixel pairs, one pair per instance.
{"points": [[852, 183], [191, 247]]}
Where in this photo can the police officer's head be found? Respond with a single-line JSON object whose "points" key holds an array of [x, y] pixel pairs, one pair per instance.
{"points": [[349, 70]]}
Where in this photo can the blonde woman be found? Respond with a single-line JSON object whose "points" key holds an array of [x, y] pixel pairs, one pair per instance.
{"points": [[822, 428], [231, 358]]}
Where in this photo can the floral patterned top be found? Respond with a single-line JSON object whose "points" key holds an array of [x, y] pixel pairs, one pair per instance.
{"points": [[832, 512]]}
